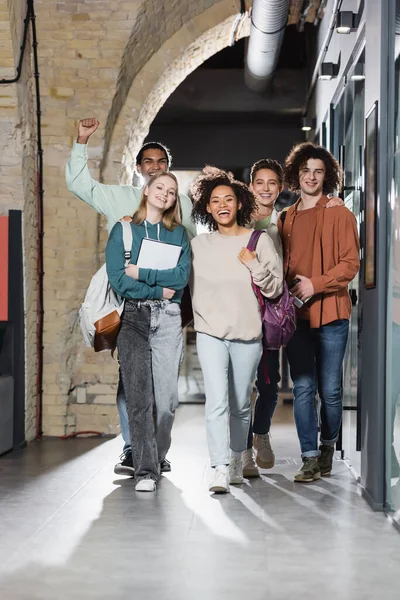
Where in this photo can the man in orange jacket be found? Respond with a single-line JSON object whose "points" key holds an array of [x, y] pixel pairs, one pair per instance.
{"points": [[321, 257]]}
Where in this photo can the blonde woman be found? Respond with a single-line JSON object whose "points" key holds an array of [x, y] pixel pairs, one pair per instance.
{"points": [[150, 339]]}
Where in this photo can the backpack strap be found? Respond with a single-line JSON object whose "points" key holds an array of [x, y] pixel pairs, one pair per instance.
{"points": [[127, 239], [255, 236]]}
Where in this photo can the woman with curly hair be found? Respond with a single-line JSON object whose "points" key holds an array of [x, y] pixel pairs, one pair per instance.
{"points": [[320, 259], [226, 314]]}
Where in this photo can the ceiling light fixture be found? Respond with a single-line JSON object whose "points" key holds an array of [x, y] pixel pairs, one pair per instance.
{"points": [[358, 73], [346, 21], [307, 124], [328, 71]]}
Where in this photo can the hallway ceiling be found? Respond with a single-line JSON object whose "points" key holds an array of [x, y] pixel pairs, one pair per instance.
{"points": [[216, 92]]}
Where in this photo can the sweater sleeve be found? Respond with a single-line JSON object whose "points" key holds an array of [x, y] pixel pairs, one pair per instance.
{"points": [[99, 196], [122, 284], [267, 269], [187, 221], [176, 278], [341, 274]]}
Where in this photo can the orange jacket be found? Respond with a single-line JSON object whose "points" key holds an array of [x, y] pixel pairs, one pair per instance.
{"points": [[335, 260]]}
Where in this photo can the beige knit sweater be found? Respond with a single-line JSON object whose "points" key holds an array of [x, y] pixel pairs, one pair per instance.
{"points": [[224, 304]]}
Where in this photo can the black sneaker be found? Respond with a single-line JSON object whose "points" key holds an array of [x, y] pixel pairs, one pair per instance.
{"points": [[125, 467], [165, 466]]}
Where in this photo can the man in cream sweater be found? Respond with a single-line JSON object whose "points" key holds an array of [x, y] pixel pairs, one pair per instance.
{"points": [[114, 202]]}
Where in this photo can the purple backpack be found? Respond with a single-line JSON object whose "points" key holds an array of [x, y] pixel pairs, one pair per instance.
{"points": [[279, 314]]}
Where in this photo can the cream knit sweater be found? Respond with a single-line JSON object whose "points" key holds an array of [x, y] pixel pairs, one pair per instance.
{"points": [[224, 304]]}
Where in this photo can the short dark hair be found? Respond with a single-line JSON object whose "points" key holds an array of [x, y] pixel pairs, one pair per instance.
{"points": [[202, 188], [267, 163], [298, 157], [154, 146]]}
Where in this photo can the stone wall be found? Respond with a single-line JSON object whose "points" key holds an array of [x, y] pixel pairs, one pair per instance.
{"points": [[117, 60]]}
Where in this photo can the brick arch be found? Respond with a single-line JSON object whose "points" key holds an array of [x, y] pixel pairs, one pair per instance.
{"points": [[196, 41], [83, 74], [155, 23]]}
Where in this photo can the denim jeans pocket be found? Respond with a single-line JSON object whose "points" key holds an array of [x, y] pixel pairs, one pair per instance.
{"points": [[130, 307], [173, 309]]}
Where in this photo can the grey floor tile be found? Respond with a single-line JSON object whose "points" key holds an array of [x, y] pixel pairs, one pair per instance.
{"points": [[70, 528]]}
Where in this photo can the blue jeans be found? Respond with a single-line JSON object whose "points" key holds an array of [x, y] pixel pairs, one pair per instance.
{"points": [[267, 395], [229, 368], [316, 360]]}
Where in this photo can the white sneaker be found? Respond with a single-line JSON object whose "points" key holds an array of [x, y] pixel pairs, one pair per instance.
{"points": [[265, 455], [250, 468], [235, 470], [146, 485], [219, 483]]}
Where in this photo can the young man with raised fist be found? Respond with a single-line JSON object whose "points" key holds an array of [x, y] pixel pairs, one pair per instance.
{"points": [[115, 202]]}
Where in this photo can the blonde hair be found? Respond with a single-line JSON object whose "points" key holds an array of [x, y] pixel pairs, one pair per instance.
{"points": [[171, 217]]}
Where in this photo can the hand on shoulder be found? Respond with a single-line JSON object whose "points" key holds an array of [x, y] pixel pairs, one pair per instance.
{"points": [[335, 201]]}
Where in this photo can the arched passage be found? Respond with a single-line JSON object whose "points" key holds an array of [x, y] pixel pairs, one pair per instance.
{"points": [[193, 44], [131, 114]]}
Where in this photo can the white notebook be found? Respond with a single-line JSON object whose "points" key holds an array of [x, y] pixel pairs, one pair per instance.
{"points": [[158, 255]]}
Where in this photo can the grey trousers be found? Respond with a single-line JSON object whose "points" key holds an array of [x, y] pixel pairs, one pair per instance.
{"points": [[229, 368], [150, 346]]}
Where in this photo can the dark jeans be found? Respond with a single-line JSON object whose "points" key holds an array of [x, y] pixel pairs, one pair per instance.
{"points": [[316, 361], [267, 396], [150, 348]]}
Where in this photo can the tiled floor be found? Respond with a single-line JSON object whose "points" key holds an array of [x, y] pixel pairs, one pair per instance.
{"points": [[70, 528]]}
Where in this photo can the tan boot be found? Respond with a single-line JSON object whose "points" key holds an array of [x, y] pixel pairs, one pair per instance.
{"points": [[250, 468], [265, 455]]}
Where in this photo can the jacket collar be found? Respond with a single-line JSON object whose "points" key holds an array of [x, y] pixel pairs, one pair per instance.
{"points": [[322, 202]]}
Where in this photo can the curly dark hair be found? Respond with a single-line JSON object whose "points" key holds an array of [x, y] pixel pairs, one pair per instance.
{"points": [[202, 188], [267, 163], [298, 158]]}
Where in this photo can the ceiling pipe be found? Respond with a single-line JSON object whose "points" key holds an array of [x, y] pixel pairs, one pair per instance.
{"points": [[268, 24]]}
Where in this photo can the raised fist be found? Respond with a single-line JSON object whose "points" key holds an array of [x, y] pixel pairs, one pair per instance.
{"points": [[86, 128]]}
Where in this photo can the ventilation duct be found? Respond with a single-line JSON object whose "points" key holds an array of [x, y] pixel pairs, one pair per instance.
{"points": [[268, 23]]}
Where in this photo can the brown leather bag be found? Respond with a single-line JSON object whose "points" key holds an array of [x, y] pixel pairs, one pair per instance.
{"points": [[107, 330]]}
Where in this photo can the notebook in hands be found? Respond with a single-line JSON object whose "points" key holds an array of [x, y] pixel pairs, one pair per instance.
{"points": [[158, 255]]}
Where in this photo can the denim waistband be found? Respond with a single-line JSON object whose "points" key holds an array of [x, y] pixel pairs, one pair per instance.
{"points": [[162, 303]]}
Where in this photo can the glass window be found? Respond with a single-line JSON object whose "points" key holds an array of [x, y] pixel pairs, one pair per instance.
{"points": [[348, 144], [393, 362]]}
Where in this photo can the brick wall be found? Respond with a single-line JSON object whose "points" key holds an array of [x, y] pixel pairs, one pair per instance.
{"points": [[117, 60], [18, 173]]}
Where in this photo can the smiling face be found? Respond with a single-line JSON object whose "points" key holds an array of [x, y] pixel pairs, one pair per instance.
{"points": [[266, 187], [162, 193], [312, 176], [223, 206], [153, 161]]}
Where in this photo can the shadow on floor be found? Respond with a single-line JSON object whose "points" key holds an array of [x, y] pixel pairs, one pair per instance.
{"points": [[43, 455]]}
